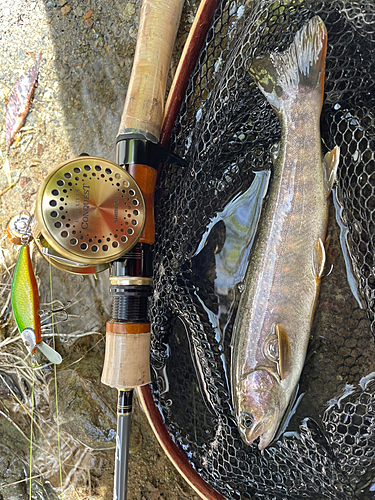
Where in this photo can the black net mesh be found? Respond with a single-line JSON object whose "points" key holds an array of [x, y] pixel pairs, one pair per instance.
{"points": [[226, 131]]}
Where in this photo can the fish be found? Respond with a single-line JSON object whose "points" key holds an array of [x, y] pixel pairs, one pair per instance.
{"points": [[25, 304], [19, 101], [279, 292]]}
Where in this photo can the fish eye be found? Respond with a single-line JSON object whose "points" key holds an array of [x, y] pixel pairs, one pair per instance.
{"points": [[247, 421]]}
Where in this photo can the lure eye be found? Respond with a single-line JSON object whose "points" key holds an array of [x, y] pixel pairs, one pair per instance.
{"points": [[247, 421], [27, 344]]}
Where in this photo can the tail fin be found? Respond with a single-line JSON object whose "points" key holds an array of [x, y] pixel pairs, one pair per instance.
{"points": [[279, 75]]}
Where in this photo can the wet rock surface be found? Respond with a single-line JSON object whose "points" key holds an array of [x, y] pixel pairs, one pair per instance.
{"points": [[82, 413], [87, 50]]}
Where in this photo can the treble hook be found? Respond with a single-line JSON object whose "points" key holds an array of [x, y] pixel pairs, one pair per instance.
{"points": [[25, 230]]}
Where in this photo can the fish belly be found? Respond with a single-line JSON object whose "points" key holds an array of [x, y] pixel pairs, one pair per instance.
{"points": [[280, 286]]}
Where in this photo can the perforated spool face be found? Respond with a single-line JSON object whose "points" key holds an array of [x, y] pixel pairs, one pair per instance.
{"points": [[90, 210]]}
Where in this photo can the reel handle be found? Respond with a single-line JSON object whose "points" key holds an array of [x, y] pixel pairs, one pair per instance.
{"points": [[144, 104]]}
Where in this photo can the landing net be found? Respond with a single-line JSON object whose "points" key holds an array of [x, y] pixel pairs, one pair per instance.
{"points": [[225, 132]]}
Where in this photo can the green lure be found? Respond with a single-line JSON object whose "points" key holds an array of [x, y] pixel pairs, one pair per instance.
{"points": [[25, 303]]}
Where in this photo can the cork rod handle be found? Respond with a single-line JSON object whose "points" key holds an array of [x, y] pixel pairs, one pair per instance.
{"points": [[144, 104]]}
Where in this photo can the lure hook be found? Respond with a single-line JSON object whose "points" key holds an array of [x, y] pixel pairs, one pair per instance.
{"points": [[25, 231]]}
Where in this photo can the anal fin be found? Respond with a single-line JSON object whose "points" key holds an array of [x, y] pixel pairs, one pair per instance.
{"points": [[330, 164], [319, 258]]}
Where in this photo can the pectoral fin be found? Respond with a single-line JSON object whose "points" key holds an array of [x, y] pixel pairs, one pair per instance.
{"points": [[285, 356], [330, 164], [319, 258], [52, 356]]}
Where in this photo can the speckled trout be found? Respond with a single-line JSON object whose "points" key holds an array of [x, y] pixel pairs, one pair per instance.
{"points": [[281, 285]]}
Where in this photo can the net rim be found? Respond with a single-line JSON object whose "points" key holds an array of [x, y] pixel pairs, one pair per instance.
{"points": [[197, 34], [172, 450]]}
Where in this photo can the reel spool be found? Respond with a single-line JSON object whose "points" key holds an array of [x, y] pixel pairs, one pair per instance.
{"points": [[89, 212]]}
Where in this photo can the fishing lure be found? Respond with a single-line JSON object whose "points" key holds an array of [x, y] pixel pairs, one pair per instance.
{"points": [[20, 100], [24, 290]]}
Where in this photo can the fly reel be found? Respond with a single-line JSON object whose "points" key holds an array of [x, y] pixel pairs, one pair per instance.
{"points": [[89, 212]]}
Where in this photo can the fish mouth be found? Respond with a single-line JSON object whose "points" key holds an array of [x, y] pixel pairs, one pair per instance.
{"points": [[259, 430], [264, 440], [264, 430]]}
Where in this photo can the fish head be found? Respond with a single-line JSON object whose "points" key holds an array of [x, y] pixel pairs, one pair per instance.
{"points": [[28, 338], [258, 414]]}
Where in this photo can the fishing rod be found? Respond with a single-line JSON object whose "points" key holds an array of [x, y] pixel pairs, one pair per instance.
{"points": [[128, 334], [93, 214]]}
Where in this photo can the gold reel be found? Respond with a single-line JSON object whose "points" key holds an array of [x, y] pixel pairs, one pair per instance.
{"points": [[89, 212]]}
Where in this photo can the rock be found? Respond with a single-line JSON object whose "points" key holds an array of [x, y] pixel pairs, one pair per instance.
{"points": [[129, 11], [82, 412], [13, 479], [66, 9], [88, 15], [78, 11], [8, 386], [12, 469], [89, 23], [51, 495]]}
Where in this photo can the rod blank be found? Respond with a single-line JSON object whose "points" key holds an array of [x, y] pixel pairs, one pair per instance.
{"points": [[124, 412]]}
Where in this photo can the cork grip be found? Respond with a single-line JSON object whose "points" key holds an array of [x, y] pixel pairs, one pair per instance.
{"points": [[127, 355], [144, 104]]}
